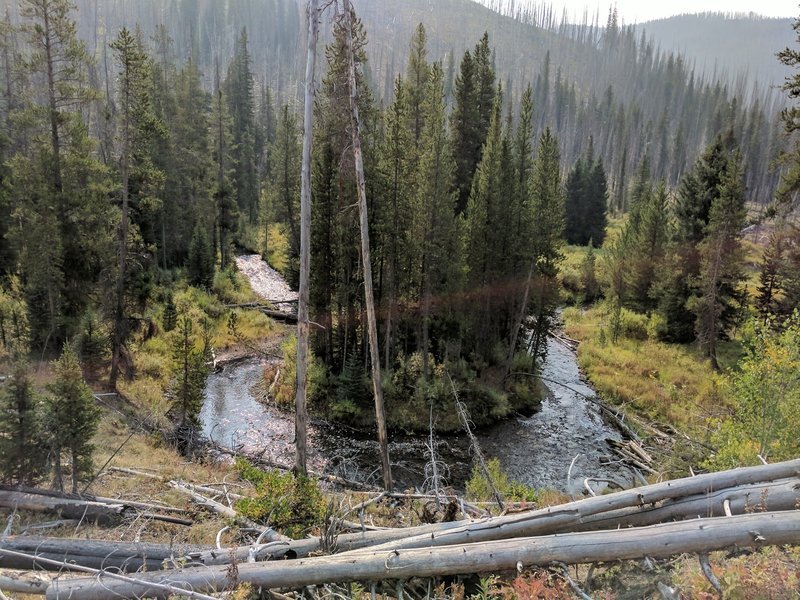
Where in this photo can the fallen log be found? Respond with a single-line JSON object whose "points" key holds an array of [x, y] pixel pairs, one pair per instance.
{"points": [[96, 554], [782, 495], [556, 518], [23, 584], [658, 541], [105, 511], [67, 508]]}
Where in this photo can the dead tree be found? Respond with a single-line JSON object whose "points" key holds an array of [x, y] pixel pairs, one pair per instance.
{"points": [[312, 14], [369, 300]]}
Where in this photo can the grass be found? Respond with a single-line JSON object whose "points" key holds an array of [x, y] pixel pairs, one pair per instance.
{"points": [[665, 382]]}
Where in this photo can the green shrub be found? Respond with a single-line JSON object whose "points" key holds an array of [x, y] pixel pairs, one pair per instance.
{"points": [[290, 504], [480, 490]]}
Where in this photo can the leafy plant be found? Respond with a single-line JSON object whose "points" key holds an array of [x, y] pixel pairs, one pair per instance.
{"points": [[480, 489], [290, 504]]}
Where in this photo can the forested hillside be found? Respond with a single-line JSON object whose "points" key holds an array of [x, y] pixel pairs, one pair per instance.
{"points": [[723, 45], [614, 84]]}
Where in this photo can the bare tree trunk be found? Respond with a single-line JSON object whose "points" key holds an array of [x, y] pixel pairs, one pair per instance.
{"points": [[658, 541], [312, 14], [518, 324], [365, 253]]}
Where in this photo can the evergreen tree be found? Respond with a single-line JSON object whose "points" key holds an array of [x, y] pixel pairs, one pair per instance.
{"points": [[60, 192], [241, 106], [483, 231], [190, 366], [436, 228], [649, 235], [472, 114], [225, 199], [418, 73], [587, 201], [23, 454], [680, 274], [398, 157], [546, 218], [137, 125], [71, 419], [200, 264], [286, 155], [721, 261]]}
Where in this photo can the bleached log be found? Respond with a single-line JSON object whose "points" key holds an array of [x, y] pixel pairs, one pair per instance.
{"points": [[24, 584], [658, 541], [67, 508], [556, 518], [96, 554]]}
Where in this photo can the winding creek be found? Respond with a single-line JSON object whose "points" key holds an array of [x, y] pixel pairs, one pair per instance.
{"points": [[536, 450]]}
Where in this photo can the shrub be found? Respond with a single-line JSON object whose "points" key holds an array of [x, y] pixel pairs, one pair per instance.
{"points": [[479, 488], [287, 503]]}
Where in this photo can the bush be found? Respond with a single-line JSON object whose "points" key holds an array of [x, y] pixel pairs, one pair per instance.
{"points": [[480, 490], [290, 504]]}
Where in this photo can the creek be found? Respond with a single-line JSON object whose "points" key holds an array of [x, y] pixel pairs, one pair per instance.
{"points": [[539, 450]]}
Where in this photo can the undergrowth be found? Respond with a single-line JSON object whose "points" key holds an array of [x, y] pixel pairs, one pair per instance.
{"points": [[292, 505]]}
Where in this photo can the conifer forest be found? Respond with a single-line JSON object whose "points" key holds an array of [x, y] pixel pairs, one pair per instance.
{"points": [[276, 270]]}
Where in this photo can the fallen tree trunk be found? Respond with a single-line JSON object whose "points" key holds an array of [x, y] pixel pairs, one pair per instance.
{"points": [[547, 520], [658, 541], [67, 508], [761, 497], [23, 584], [96, 554], [105, 511]]}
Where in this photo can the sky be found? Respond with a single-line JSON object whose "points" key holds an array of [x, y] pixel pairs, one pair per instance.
{"points": [[639, 11]]}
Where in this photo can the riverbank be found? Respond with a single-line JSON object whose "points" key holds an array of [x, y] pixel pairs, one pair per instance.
{"points": [[668, 390]]}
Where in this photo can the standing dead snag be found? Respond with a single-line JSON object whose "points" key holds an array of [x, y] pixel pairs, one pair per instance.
{"points": [[355, 126], [305, 244]]}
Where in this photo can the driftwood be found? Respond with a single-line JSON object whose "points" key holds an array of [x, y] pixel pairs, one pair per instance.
{"points": [[96, 554], [700, 535]]}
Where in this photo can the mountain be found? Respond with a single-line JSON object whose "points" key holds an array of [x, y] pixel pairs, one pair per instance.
{"points": [[726, 45]]}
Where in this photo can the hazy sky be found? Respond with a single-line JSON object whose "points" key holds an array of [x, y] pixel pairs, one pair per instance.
{"points": [[638, 11]]}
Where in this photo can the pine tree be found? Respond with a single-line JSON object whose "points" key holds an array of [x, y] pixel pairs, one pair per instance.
{"points": [[137, 126], [398, 157], [241, 106], [200, 264], [472, 115], [546, 218], [60, 192], [483, 230], [649, 235], [24, 456], [189, 376], [71, 419], [587, 201], [286, 155], [721, 261], [418, 73], [435, 226]]}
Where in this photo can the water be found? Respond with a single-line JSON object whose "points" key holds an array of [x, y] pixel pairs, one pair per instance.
{"points": [[539, 449], [232, 417], [535, 450]]}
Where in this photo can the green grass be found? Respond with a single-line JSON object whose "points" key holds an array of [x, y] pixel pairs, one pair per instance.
{"points": [[665, 382]]}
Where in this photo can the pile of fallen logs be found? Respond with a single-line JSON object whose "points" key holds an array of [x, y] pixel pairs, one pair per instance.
{"points": [[747, 507]]}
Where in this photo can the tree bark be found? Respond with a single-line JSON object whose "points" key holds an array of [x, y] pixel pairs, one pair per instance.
{"points": [[374, 351], [301, 417], [658, 541]]}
